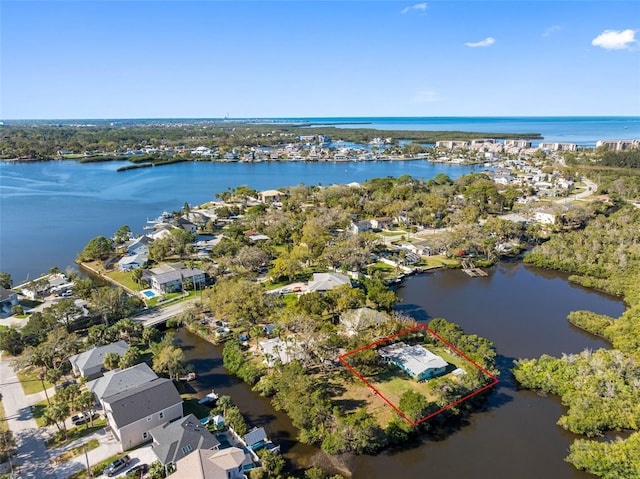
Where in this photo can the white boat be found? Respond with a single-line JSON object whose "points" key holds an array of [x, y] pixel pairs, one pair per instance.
{"points": [[209, 398]]}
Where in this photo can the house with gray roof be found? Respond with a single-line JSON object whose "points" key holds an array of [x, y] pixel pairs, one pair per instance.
{"points": [[168, 278], [118, 380], [204, 464], [357, 321], [135, 400], [327, 281], [417, 361], [175, 440], [90, 363], [132, 413], [8, 299]]}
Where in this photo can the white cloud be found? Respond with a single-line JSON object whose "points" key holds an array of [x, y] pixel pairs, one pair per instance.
{"points": [[426, 96], [615, 40], [417, 7], [551, 30], [487, 42]]}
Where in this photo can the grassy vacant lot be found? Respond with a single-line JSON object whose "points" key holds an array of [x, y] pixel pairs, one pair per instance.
{"points": [[30, 382], [354, 394]]}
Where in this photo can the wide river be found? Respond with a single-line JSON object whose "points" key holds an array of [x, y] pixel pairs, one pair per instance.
{"points": [[523, 310]]}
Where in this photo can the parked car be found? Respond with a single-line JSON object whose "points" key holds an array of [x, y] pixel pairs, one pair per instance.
{"points": [[117, 465], [64, 384], [82, 418], [138, 471]]}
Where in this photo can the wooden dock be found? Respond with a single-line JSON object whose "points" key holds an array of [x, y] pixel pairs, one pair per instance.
{"points": [[469, 268]]}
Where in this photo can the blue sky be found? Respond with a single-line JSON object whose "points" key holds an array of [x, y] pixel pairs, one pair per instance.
{"points": [[204, 59]]}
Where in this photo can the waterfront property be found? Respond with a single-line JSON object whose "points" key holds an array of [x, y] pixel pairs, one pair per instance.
{"points": [[417, 361], [168, 278], [90, 363], [175, 440]]}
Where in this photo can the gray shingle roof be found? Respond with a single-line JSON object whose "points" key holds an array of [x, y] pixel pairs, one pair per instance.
{"points": [[141, 401], [119, 380], [95, 356], [174, 440]]}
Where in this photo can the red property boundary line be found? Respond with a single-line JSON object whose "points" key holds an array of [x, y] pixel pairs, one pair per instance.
{"points": [[431, 331]]}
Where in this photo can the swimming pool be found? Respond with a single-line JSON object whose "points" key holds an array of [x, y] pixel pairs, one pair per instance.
{"points": [[149, 294]]}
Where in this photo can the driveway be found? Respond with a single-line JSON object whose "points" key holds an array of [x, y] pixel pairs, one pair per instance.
{"points": [[32, 459]]}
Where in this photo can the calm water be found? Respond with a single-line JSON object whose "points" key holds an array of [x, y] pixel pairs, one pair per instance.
{"points": [[524, 312], [49, 210], [585, 131]]}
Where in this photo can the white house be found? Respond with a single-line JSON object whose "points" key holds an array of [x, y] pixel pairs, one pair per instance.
{"points": [[545, 216], [168, 278], [139, 246], [417, 361], [136, 261], [359, 226], [276, 349]]}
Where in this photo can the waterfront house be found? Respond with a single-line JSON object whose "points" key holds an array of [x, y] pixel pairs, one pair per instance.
{"points": [[139, 246], [89, 364], [175, 440], [168, 278], [327, 281], [135, 400], [136, 261], [205, 464], [276, 349], [8, 299], [186, 225], [271, 196], [417, 361]]}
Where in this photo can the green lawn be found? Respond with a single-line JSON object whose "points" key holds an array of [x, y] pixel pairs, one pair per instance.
{"points": [[38, 412], [76, 433], [191, 406], [394, 382], [76, 451], [438, 261], [30, 382], [124, 278]]}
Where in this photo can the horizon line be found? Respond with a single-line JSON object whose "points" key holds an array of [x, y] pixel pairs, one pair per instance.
{"points": [[226, 118]]}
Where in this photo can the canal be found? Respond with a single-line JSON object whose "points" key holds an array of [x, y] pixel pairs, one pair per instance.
{"points": [[523, 310]]}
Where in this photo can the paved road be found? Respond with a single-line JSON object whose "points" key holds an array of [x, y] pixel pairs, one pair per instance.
{"points": [[32, 459], [155, 316]]}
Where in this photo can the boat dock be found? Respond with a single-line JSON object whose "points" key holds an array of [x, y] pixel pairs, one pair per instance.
{"points": [[469, 268]]}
